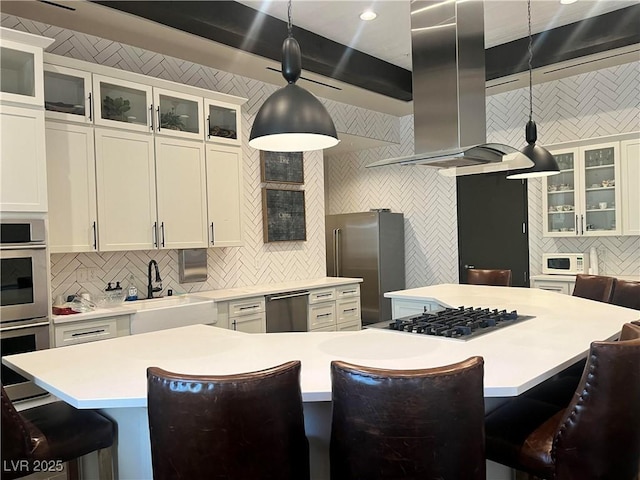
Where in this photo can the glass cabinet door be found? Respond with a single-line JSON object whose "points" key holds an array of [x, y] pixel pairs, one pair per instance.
{"points": [[67, 94], [122, 104], [561, 196], [20, 70], [177, 114], [223, 123], [602, 190]]}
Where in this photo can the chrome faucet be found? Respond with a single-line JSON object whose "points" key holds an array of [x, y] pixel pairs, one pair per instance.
{"points": [[150, 288]]}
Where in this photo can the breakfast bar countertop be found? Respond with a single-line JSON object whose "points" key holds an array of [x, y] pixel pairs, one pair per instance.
{"points": [[112, 373]]}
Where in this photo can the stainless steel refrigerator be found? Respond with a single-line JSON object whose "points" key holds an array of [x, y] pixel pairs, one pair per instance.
{"points": [[368, 245]]}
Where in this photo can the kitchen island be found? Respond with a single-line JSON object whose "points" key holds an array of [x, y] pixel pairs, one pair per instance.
{"points": [[110, 375]]}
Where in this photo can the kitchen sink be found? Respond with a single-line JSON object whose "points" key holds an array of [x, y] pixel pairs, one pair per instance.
{"points": [[171, 312], [162, 302]]}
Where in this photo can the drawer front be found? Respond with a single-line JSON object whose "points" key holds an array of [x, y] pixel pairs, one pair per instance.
{"points": [[351, 326], [322, 315], [324, 295], [348, 310], [559, 287], [348, 291], [91, 331], [246, 306], [328, 328]]}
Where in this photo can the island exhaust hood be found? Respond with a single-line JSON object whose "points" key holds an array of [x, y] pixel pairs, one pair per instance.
{"points": [[449, 113]]}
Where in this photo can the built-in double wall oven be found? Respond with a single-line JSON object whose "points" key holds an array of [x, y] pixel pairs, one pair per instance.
{"points": [[24, 312]]}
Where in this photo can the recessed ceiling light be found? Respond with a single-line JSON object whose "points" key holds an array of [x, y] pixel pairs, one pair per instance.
{"points": [[368, 15], [567, 2]]}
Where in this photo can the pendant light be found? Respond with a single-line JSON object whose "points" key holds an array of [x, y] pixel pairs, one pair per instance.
{"points": [[292, 119], [543, 162]]}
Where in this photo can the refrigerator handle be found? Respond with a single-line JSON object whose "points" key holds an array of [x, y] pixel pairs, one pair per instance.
{"points": [[336, 251]]}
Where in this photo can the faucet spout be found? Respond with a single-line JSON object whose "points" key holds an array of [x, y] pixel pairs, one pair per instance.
{"points": [[150, 288]]}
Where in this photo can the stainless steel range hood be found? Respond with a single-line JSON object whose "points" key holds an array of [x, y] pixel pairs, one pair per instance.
{"points": [[449, 111]]}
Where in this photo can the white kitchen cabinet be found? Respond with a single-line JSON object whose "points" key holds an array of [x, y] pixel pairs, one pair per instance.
{"points": [[85, 331], [630, 174], [335, 308], [181, 193], [584, 199], [123, 104], [23, 170], [71, 178], [177, 114], [224, 195], [223, 122], [126, 190], [559, 286], [403, 308], [68, 95], [21, 63], [245, 315]]}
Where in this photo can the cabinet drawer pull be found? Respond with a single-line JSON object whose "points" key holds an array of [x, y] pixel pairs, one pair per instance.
{"points": [[324, 315], [350, 309], [91, 332], [323, 295], [251, 307], [344, 292]]}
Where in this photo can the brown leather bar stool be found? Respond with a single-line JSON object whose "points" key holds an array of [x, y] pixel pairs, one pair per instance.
{"points": [[626, 293], [594, 287], [392, 424], [43, 435], [498, 278], [247, 426], [595, 437]]}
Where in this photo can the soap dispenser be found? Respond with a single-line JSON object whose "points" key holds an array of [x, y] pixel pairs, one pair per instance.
{"points": [[132, 292]]}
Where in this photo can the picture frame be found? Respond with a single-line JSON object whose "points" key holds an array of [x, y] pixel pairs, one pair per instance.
{"points": [[283, 215], [282, 167]]}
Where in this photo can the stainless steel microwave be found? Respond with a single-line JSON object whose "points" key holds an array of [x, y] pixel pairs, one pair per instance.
{"points": [[565, 263]]}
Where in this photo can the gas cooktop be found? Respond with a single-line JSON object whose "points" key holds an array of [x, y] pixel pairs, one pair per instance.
{"points": [[461, 323]]}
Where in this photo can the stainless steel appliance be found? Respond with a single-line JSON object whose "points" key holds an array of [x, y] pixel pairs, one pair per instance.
{"points": [[287, 312], [565, 263], [368, 245], [24, 319], [462, 323]]}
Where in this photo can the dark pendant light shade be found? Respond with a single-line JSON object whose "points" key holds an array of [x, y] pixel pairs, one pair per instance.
{"points": [[292, 119], [544, 164]]}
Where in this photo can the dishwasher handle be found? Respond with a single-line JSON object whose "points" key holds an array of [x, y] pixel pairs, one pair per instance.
{"points": [[300, 293]]}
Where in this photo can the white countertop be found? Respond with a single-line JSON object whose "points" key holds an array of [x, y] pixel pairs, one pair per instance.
{"points": [[111, 373], [128, 308], [572, 278]]}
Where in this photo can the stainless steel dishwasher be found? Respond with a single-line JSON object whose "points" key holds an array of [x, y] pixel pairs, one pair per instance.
{"points": [[287, 312]]}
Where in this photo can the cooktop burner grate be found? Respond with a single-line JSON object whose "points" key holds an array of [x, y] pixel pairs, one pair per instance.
{"points": [[460, 323]]}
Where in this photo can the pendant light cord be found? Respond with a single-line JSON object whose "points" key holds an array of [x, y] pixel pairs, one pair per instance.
{"points": [[530, 61], [289, 26]]}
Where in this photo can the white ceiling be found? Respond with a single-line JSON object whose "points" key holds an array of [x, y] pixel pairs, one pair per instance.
{"points": [[388, 37]]}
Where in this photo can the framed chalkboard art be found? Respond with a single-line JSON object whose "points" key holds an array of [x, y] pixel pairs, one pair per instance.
{"points": [[283, 214], [282, 167]]}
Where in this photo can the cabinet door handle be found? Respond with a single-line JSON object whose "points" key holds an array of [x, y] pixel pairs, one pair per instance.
{"points": [[158, 112], [151, 117], [213, 235], [576, 224], [162, 229], [154, 231], [581, 224], [208, 126], [90, 107], [234, 325], [95, 237]]}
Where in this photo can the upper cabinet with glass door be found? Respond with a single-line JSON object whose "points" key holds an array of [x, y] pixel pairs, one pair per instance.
{"points": [[223, 123], [560, 196], [584, 199], [601, 185], [177, 114], [21, 67], [67, 94], [122, 104]]}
